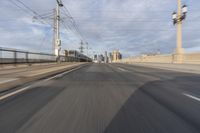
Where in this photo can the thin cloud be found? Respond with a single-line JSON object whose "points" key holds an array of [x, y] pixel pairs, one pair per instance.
{"points": [[133, 27]]}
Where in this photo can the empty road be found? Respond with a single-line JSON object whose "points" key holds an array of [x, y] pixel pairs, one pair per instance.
{"points": [[107, 98]]}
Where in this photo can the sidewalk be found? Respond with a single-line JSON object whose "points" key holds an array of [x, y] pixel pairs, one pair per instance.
{"points": [[15, 76], [11, 66], [187, 68]]}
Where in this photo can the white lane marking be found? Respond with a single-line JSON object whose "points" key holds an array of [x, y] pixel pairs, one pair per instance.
{"points": [[191, 96], [5, 80], [61, 74], [122, 69], [29, 87], [14, 93]]}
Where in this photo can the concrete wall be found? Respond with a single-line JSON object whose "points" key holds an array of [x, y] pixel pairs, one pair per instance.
{"points": [[189, 58], [192, 58]]}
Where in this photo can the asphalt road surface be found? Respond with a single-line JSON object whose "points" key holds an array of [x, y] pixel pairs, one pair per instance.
{"points": [[105, 98]]}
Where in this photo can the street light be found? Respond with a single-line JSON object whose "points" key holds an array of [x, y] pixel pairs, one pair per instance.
{"points": [[179, 18], [60, 3], [184, 9], [174, 17]]}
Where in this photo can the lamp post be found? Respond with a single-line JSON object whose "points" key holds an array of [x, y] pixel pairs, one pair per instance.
{"points": [[177, 20]]}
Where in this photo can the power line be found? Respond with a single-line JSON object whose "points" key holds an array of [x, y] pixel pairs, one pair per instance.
{"points": [[69, 27], [153, 30], [66, 28], [28, 9], [68, 14], [127, 20], [15, 4]]}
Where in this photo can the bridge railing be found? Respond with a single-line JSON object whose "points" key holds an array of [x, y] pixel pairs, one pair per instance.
{"points": [[8, 56], [13, 56]]}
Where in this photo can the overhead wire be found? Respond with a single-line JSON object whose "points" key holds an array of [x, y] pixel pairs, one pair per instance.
{"points": [[74, 27], [41, 18], [15, 4], [66, 11], [30, 10]]}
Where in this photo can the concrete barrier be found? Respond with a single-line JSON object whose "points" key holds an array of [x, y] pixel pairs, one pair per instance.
{"points": [[188, 58], [192, 58]]}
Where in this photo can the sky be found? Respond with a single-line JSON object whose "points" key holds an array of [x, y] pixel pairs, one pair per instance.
{"points": [[132, 26]]}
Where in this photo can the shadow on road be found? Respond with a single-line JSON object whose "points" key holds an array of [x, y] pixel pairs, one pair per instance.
{"points": [[19, 109], [160, 107]]}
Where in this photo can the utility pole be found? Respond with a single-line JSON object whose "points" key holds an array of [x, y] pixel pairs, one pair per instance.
{"points": [[54, 31], [87, 50], [81, 47], [177, 19], [57, 30]]}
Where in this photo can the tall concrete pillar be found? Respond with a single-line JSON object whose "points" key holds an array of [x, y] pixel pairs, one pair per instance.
{"points": [[179, 53]]}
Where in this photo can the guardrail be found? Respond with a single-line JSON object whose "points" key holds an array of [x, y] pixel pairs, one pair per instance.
{"points": [[13, 56]]}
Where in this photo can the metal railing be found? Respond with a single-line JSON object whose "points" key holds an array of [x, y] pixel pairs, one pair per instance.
{"points": [[13, 56]]}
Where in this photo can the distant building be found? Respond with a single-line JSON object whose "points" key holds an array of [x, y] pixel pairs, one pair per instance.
{"points": [[116, 55], [108, 58]]}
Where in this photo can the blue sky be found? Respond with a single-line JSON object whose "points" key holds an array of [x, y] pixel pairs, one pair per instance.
{"points": [[132, 26]]}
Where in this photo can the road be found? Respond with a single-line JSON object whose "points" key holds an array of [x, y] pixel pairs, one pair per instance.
{"points": [[107, 98]]}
